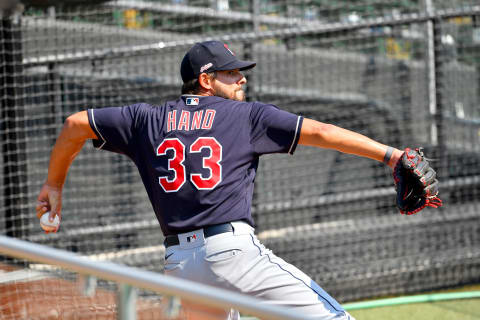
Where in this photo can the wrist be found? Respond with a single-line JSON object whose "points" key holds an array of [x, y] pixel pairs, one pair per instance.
{"points": [[54, 184], [396, 155]]}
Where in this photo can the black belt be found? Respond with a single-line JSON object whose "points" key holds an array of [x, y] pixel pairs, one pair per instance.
{"points": [[209, 231]]}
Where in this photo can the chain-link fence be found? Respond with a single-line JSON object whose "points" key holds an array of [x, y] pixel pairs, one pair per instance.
{"points": [[405, 73]]}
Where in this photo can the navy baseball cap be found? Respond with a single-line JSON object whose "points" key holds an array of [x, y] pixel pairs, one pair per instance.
{"points": [[209, 56]]}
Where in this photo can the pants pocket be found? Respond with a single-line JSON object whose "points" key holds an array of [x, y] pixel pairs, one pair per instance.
{"points": [[223, 255]]}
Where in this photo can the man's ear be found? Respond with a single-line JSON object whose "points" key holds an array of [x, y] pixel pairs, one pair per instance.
{"points": [[205, 81]]}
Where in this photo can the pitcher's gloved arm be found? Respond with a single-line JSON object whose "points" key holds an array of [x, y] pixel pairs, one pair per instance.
{"points": [[323, 135]]}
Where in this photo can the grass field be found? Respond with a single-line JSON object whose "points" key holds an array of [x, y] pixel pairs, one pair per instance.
{"points": [[467, 309], [442, 310]]}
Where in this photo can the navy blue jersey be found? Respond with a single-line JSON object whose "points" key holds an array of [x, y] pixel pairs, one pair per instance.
{"points": [[197, 156]]}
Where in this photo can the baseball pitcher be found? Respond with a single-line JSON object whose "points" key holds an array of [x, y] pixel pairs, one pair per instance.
{"points": [[198, 157]]}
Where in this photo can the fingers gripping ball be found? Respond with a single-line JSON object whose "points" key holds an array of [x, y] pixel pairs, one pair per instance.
{"points": [[415, 183], [47, 225]]}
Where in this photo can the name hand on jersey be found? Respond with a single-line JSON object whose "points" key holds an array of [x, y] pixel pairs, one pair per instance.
{"points": [[187, 120]]}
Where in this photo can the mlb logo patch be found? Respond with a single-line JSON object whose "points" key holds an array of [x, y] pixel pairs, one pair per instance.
{"points": [[192, 101], [192, 238]]}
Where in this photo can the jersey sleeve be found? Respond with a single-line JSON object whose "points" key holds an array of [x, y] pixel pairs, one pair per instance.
{"points": [[114, 127], [274, 130]]}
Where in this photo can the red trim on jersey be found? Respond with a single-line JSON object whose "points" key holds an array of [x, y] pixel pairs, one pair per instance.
{"points": [[197, 120], [172, 120], [208, 119], [184, 122]]}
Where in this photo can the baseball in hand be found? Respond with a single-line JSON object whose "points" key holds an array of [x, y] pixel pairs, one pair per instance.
{"points": [[48, 225]]}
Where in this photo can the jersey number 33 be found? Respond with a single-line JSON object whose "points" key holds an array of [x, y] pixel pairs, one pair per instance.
{"points": [[175, 164]]}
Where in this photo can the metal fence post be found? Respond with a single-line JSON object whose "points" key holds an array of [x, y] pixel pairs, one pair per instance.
{"points": [[436, 92], [127, 298], [432, 80]]}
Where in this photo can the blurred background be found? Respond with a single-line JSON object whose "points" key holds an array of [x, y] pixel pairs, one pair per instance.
{"points": [[405, 73]]}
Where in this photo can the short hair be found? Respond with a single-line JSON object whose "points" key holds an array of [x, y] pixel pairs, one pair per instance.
{"points": [[193, 86]]}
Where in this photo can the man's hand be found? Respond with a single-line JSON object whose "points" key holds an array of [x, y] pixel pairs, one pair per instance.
{"points": [[49, 199], [415, 182]]}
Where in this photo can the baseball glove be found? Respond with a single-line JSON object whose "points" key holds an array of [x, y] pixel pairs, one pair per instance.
{"points": [[415, 183]]}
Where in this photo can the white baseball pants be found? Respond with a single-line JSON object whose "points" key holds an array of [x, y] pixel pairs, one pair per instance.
{"points": [[238, 261]]}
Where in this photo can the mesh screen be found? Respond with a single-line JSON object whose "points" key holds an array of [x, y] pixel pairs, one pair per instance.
{"points": [[363, 65]]}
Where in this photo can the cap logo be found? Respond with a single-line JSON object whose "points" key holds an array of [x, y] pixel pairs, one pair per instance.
{"points": [[206, 67], [226, 47]]}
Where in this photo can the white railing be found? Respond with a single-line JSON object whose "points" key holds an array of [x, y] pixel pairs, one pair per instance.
{"points": [[128, 278]]}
